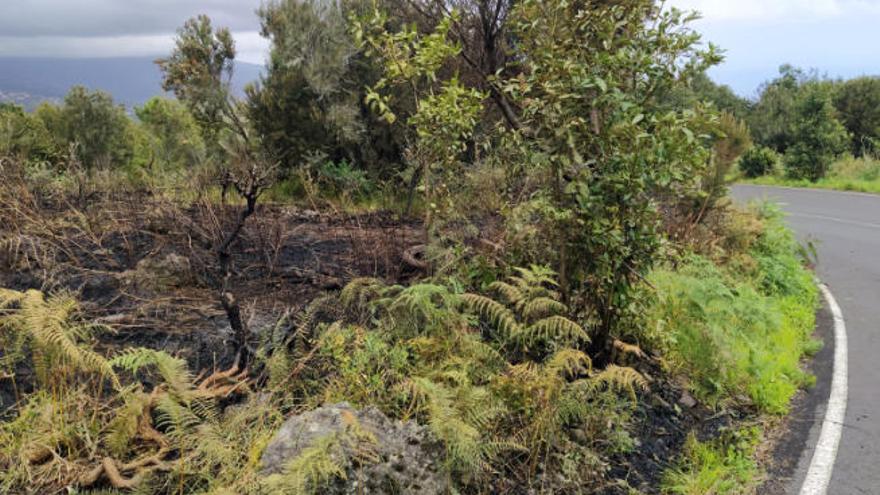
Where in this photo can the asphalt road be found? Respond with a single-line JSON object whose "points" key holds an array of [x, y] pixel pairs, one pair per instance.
{"points": [[845, 228]]}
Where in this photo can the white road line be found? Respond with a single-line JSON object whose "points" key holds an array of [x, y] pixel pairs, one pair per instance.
{"points": [[822, 465], [835, 219]]}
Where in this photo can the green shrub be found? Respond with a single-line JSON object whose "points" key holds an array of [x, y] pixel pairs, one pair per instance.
{"points": [[758, 161], [856, 169], [819, 138]]}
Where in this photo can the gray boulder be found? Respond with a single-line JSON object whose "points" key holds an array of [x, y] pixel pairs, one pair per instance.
{"points": [[159, 273], [377, 454]]}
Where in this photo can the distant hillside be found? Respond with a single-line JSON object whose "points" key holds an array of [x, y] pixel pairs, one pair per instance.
{"points": [[131, 81]]}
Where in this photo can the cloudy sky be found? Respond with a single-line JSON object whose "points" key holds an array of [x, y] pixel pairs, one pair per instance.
{"points": [[107, 28], [837, 37]]}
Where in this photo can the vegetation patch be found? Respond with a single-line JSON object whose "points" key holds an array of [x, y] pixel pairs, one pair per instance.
{"points": [[500, 231], [754, 318], [724, 466], [848, 174]]}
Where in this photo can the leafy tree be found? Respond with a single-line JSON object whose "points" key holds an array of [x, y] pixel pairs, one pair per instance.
{"points": [[172, 133], [25, 136], [446, 111], [732, 141], [758, 161], [311, 98], [702, 89], [199, 72], [601, 147], [818, 137], [97, 127], [482, 29], [773, 117], [858, 106]]}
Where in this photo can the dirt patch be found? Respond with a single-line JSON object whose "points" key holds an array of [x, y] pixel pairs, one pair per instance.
{"points": [[666, 415], [146, 268]]}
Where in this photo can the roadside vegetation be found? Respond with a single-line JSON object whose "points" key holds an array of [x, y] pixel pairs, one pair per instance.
{"points": [[805, 130], [845, 174], [497, 240]]}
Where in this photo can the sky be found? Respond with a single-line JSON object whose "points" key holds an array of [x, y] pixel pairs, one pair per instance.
{"points": [[837, 37], [112, 28]]}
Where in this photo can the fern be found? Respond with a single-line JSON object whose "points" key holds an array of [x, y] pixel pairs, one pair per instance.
{"points": [[172, 370], [425, 308], [554, 329], [511, 293], [358, 294], [493, 311], [458, 416], [49, 325], [310, 471], [124, 427], [529, 315], [621, 378], [307, 321], [541, 307], [175, 419], [569, 363]]}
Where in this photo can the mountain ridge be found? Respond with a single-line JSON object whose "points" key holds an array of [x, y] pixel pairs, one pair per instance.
{"points": [[28, 81]]}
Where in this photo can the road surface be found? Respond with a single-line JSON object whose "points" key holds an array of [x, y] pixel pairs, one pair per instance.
{"points": [[846, 230]]}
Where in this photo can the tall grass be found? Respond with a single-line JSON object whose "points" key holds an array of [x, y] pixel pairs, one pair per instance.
{"points": [[847, 174], [740, 332]]}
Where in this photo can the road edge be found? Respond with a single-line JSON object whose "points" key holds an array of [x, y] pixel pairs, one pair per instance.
{"points": [[810, 189], [822, 464]]}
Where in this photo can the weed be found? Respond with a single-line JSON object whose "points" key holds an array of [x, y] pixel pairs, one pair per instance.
{"points": [[722, 467]]}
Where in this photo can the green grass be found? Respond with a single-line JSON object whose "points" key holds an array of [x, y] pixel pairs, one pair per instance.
{"points": [[740, 332], [848, 174], [722, 467]]}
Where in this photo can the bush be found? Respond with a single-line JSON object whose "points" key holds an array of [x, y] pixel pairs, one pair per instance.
{"points": [[758, 161], [819, 138]]}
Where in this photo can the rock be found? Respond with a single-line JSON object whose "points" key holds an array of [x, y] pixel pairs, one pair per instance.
{"points": [[159, 273], [687, 400], [403, 457]]}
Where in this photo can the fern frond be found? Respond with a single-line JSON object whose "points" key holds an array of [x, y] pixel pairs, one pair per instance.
{"points": [[10, 297], [569, 362], [314, 468], [357, 294], [538, 275], [49, 323], [495, 312], [511, 293], [174, 418], [621, 378], [124, 425], [308, 319], [541, 307], [557, 330], [434, 305], [172, 370]]}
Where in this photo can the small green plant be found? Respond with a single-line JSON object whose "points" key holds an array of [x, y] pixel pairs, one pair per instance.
{"points": [[722, 467]]}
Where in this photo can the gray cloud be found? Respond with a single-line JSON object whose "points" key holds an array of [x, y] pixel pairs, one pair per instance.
{"points": [[95, 18], [111, 28]]}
